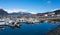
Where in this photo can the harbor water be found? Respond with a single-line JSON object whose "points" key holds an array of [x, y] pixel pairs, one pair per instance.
{"points": [[30, 29]]}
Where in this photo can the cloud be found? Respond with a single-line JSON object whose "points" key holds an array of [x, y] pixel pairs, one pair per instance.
{"points": [[19, 10], [55, 9], [48, 2], [15, 10], [33, 12]]}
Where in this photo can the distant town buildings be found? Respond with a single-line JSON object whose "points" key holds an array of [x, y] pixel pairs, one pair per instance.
{"points": [[3, 13]]}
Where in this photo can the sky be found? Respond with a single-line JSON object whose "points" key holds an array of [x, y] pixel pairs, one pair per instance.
{"points": [[32, 6]]}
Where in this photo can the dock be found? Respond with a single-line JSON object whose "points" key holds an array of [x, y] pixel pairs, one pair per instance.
{"points": [[16, 22], [52, 18]]}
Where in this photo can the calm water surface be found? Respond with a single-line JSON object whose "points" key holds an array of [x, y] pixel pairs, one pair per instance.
{"points": [[30, 29]]}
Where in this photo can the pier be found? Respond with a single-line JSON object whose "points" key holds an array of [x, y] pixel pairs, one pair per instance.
{"points": [[37, 19], [17, 21], [52, 18]]}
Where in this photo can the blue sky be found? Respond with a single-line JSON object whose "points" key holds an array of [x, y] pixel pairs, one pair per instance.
{"points": [[33, 6]]}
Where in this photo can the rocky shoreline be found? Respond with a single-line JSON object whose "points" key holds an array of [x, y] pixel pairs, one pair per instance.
{"points": [[55, 31]]}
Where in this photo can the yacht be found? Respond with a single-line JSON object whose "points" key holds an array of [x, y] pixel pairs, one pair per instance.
{"points": [[14, 24], [31, 20], [22, 20], [2, 22]]}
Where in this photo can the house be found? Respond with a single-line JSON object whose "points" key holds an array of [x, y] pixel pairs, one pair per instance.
{"points": [[57, 12], [51, 13], [42, 14]]}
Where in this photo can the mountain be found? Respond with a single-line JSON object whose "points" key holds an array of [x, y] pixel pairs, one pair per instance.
{"points": [[3, 12], [57, 11], [18, 14]]}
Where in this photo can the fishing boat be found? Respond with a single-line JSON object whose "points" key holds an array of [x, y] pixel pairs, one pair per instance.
{"points": [[22, 20], [30, 20], [14, 24], [35, 21], [2, 22]]}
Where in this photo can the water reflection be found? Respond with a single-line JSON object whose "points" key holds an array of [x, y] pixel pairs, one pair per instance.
{"points": [[30, 29]]}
